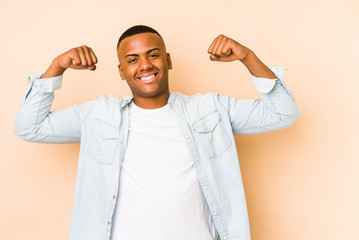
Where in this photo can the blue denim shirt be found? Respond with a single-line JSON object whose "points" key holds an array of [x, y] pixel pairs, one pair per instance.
{"points": [[208, 122]]}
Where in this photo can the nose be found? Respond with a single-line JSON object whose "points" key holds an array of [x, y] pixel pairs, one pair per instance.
{"points": [[145, 64]]}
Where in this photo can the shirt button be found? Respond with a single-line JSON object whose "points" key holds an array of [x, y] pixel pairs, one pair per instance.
{"points": [[215, 214], [187, 137], [224, 238], [205, 187], [180, 114], [196, 162], [108, 222], [114, 196], [208, 128], [104, 134]]}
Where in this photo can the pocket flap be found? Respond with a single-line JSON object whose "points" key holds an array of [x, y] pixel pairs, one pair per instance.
{"points": [[207, 123], [106, 130]]}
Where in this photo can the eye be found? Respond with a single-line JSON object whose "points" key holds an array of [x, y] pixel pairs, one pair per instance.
{"points": [[153, 55], [133, 60]]}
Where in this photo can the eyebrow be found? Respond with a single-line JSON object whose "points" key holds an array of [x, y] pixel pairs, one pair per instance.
{"points": [[136, 55]]}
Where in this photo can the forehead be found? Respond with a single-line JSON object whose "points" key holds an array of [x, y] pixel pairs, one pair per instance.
{"points": [[140, 43]]}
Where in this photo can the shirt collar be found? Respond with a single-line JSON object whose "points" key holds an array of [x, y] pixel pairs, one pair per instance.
{"points": [[128, 99]]}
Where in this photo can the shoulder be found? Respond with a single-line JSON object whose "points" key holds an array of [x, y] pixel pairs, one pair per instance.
{"points": [[107, 98], [107, 107], [197, 106], [198, 98]]}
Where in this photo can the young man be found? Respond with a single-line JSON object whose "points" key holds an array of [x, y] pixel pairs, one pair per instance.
{"points": [[157, 164]]}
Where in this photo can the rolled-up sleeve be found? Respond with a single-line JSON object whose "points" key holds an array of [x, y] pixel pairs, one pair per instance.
{"points": [[45, 85], [276, 109], [34, 121]]}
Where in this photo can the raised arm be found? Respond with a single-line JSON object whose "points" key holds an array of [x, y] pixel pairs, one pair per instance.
{"points": [[276, 109], [34, 121], [79, 58], [225, 49]]}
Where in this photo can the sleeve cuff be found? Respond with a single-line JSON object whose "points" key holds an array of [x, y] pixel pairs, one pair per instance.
{"points": [[265, 85], [46, 84]]}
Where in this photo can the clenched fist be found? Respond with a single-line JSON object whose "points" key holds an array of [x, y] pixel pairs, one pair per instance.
{"points": [[79, 58], [225, 49]]}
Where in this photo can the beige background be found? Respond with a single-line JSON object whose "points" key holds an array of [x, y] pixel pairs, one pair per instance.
{"points": [[301, 182]]}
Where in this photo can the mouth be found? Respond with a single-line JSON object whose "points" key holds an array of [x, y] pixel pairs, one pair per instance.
{"points": [[148, 78]]}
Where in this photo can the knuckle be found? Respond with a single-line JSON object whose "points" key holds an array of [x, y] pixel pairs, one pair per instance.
{"points": [[73, 50]]}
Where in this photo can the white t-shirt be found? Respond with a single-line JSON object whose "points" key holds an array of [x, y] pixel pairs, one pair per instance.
{"points": [[159, 194]]}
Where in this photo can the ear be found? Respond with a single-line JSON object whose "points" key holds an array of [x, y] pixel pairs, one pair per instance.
{"points": [[120, 69], [169, 61]]}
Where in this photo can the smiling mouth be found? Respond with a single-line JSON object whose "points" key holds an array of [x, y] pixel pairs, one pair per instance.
{"points": [[149, 79]]}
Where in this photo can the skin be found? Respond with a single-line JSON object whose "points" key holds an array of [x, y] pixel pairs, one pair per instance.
{"points": [[144, 55], [225, 49], [79, 58]]}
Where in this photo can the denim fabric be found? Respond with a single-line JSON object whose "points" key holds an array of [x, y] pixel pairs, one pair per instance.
{"points": [[208, 122]]}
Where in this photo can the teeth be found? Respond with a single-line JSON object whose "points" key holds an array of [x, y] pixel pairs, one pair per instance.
{"points": [[148, 78]]}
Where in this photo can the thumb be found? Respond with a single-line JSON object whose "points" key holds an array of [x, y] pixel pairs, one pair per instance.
{"points": [[92, 68], [228, 52], [214, 58], [221, 58]]}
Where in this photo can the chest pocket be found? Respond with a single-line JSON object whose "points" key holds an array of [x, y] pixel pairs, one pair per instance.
{"points": [[212, 135], [103, 141]]}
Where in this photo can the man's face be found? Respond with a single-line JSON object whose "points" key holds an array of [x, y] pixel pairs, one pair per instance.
{"points": [[144, 64]]}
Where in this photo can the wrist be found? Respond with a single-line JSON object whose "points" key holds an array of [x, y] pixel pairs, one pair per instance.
{"points": [[55, 65], [54, 70], [248, 58], [256, 67]]}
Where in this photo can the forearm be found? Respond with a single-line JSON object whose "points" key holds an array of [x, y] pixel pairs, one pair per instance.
{"points": [[76, 58], [54, 70], [256, 67], [275, 110], [225, 49]]}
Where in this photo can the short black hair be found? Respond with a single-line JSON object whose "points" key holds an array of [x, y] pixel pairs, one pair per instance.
{"points": [[138, 29]]}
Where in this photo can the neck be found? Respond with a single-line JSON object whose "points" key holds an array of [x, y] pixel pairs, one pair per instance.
{"points": [[152, 102]]}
